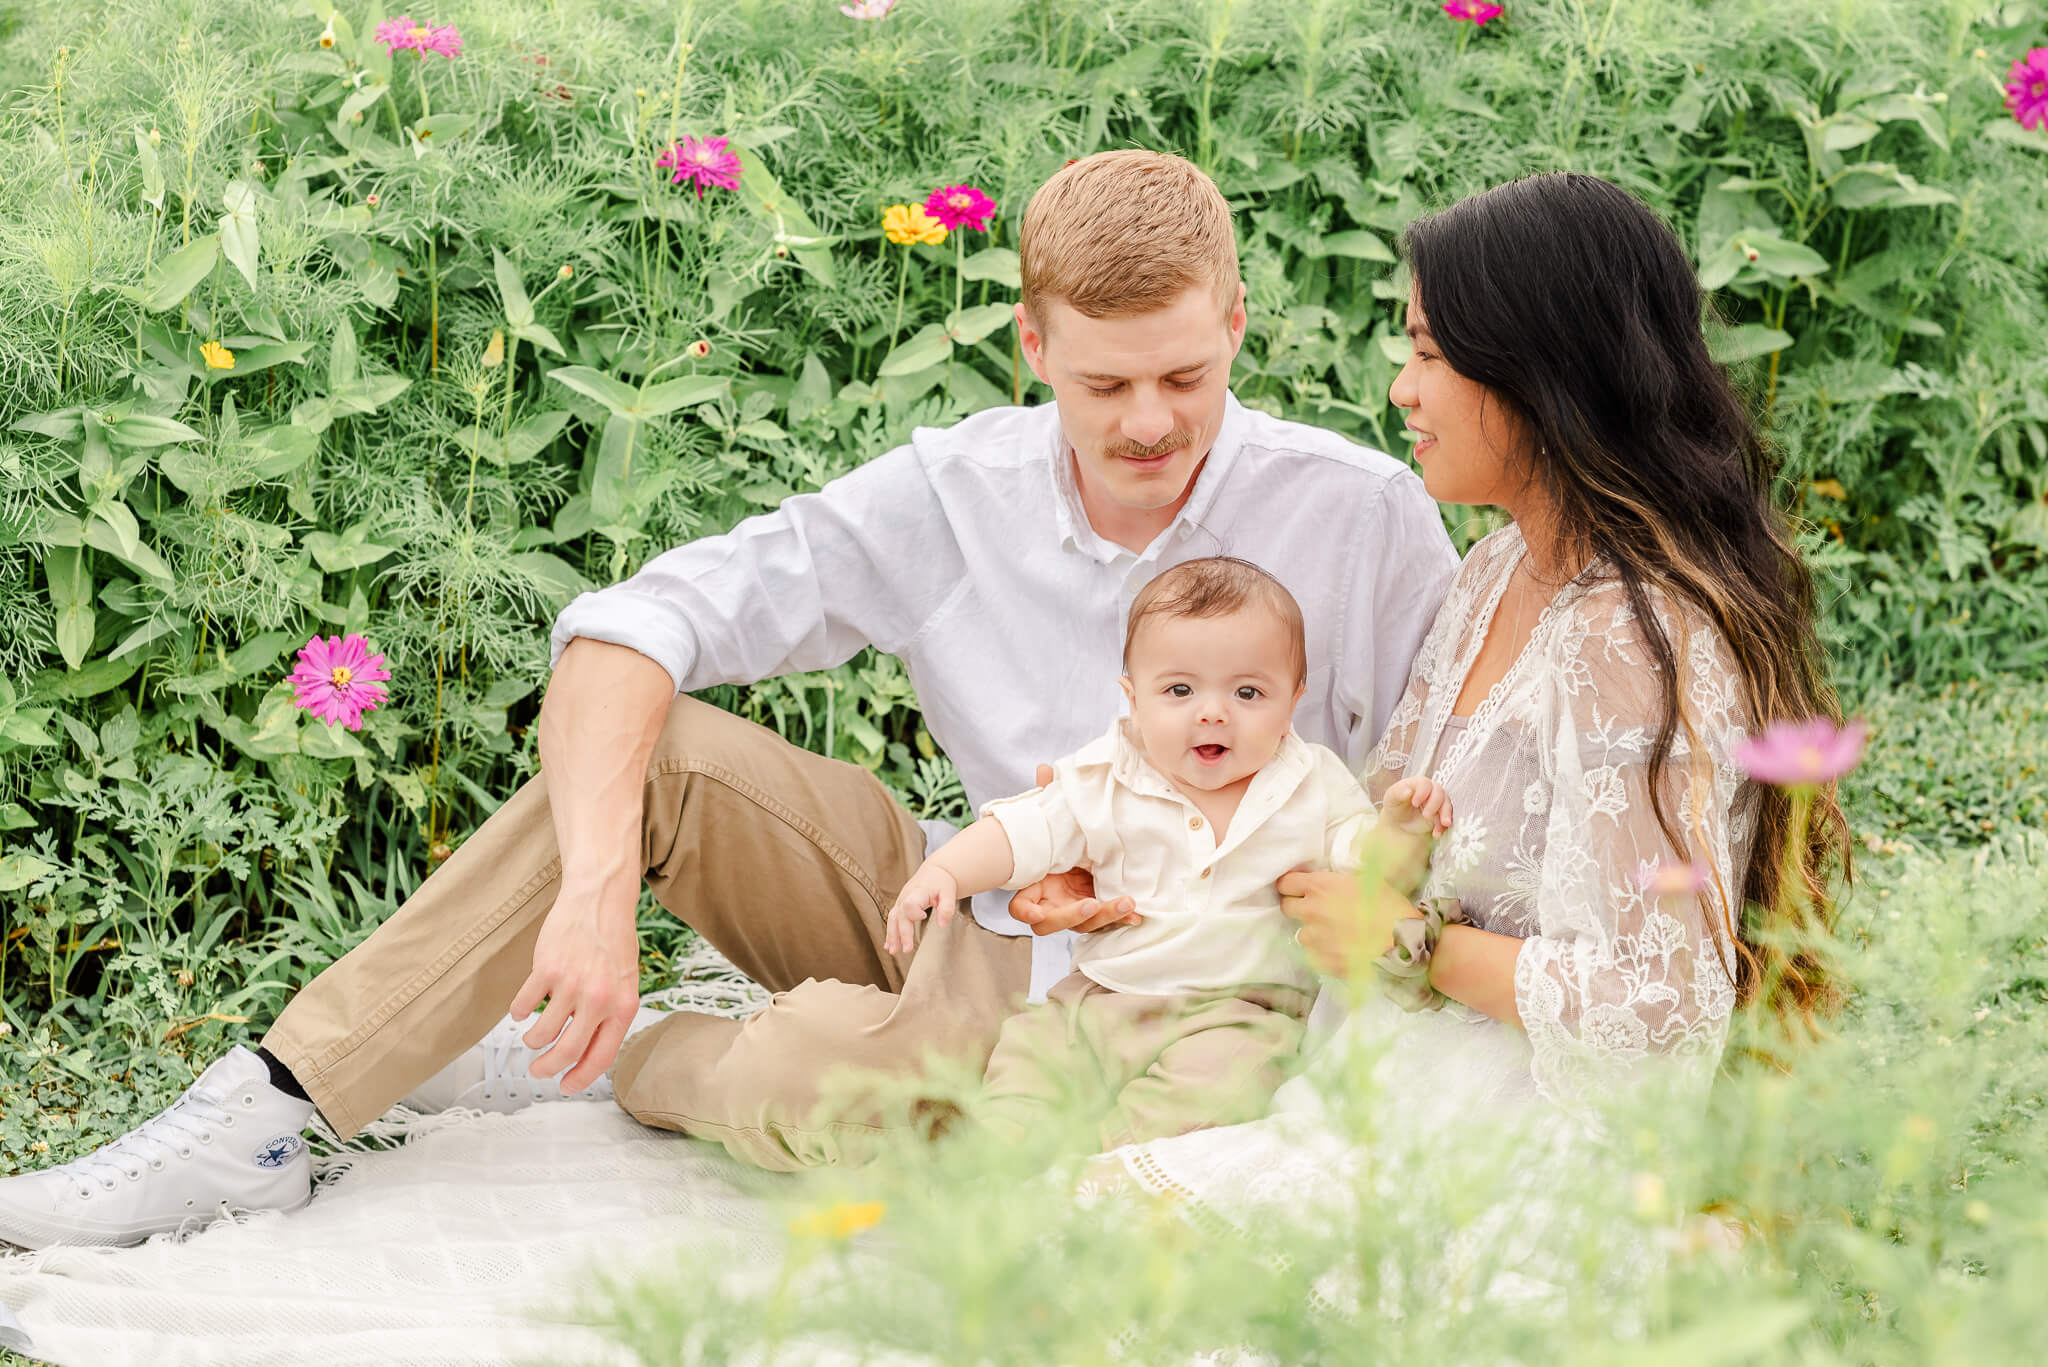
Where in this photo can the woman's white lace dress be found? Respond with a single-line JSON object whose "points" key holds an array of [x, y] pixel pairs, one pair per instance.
{"points": [[1553, 833]]}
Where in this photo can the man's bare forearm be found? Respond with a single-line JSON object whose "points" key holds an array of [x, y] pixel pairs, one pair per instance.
{"points": [[605, 707]]}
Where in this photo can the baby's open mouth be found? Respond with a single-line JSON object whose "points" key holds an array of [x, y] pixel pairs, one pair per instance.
{"points": [[1210, 754]]}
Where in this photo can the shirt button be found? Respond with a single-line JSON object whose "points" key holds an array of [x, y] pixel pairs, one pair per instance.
{"points": [[1194, 823]]}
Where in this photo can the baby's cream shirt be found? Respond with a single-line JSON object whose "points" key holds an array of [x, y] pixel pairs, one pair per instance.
{"points": [[1212, 918]]}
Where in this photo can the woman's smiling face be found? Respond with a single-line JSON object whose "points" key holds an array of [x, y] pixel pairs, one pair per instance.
{"points": [[1470, 445]]}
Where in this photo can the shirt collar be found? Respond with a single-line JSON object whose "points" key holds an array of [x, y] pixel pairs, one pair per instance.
{"points": [[1075, 532]]}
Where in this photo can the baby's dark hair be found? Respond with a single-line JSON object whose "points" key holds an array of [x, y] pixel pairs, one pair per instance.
{"points": [[1216, 587]]}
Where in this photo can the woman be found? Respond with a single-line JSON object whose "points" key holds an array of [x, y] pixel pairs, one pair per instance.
{"points": [[1622, 885]]}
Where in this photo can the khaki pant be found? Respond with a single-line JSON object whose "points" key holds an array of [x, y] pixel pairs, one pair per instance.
{"points": [[1149, 1066], [785, 861]]}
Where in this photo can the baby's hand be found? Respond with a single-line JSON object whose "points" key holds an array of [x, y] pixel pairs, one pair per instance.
{"points": [[931, 886], [1419, 806]]}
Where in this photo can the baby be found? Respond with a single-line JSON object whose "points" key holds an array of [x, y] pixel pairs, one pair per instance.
{"points": [[1193, 806]]}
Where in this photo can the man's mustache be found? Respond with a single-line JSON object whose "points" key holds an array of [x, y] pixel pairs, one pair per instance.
{"points": [[1172, 441]]}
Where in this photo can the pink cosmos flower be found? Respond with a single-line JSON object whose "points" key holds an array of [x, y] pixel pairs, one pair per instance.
{"points": [[1477, 11], [960, 206], [704, 161], [1674, 879], [2026, 89], [403, 35], [867, 9], [338, 680], [1803, 753]]}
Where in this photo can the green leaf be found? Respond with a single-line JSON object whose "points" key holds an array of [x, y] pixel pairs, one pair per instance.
{"points": [[670, 395], [112, 529], [1843, 131], [930, 346], [144, 634], [617, 397], [1729, 346], [146, 429], [813, 389], [15, 817], [614, 471], [152, 171], [971, 325], [761, 193], [529, 437], [1787, 260], [178, 274], [71, 595], [359, 100], [238, 229], [21, 868], [96, 678], [1358, 244], [540, 337], [555, 578], [999, 264], [512, 291], [25, 727], [1880, 185], [351, 550], [342, 356]]}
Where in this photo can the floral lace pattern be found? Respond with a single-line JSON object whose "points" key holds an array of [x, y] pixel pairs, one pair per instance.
{"points": [[1553, 834]]}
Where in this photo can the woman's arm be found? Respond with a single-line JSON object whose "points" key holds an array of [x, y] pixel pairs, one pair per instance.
{"points": [[1477, 967], [1344, 930]]}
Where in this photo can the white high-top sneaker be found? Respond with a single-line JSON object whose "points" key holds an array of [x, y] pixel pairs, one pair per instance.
{"points": [[231, 1142], [495, 1075]]}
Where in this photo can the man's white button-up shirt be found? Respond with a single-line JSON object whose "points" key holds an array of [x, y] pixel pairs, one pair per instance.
{"points": [[1212, 915], [967, 554]]}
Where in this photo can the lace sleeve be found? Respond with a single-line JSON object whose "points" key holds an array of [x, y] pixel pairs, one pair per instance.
{"points": [[1619, 973]]}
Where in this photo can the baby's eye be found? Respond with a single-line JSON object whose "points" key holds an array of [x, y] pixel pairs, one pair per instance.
{"points": [[1179, 691], [1248, 693]]}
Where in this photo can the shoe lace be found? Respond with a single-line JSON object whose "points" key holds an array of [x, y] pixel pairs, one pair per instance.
{"points": [[508, 1061], [192, 1116]]}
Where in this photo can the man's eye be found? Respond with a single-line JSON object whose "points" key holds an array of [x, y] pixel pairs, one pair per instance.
{"points": [[1104, 393], [1185, 385], [1248, 693], [1179, 691]]}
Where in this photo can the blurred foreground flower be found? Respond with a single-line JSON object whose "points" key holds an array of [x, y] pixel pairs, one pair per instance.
{"points": [[338, 680], [1476, 11], [960, 206], [904, 224], [703, 161], [2026, 89], [1674, 879], [1803, 753], [403, 35], [840, 1220], [217, 356], [867, 9]]}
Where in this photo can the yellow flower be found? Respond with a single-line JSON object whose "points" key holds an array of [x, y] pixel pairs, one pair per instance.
{"points": [[494, 354], [840, 1220], [217, 356], [904, 224]]}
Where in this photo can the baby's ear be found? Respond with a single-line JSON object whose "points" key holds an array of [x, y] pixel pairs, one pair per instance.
{"points": [[1130, 689]]}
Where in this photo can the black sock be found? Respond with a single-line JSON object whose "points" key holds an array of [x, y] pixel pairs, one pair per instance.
{"points": [[281, 1076]]}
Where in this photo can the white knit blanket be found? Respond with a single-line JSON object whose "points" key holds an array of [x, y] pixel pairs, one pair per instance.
{"points": [[477, 1240]]}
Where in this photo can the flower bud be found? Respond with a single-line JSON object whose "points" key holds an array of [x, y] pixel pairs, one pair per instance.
{"points": [[698, 349], [371, 200], [494, 354], [1750, 253], [184, 977], [566, 271], [781, 251], [156, 137], [639, 92], [440, 852]]}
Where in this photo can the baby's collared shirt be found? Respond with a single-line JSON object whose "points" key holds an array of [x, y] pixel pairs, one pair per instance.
{"points": [[1212, 919]]}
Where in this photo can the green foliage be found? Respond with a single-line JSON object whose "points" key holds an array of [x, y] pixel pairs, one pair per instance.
{"points": [[1952, 767]]}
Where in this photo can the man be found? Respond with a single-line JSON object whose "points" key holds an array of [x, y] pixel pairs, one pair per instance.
{"points": [[997, 558]]}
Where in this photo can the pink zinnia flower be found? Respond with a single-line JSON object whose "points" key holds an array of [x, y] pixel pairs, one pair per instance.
{"points": [[338, 680], [867, 9], [1794, 754], [2026, 89], [703, 160], [960, 206], [1674, 879], [403, 35], [1477, 11]]}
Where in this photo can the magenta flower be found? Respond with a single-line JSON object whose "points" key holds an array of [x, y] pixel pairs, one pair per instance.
{"points": [[960, 206], [703, 160], [338, 680], [1675, 879], [1477, 11], [2026, 89], [1798, 754], [403, 35], [867, 9]]}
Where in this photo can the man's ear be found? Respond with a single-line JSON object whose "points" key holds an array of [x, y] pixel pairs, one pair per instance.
{"points": [[1130, 689], [1031, 341], [1237, 321]]}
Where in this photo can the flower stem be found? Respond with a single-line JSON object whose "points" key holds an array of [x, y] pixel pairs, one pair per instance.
{"points": [[902, 274]]}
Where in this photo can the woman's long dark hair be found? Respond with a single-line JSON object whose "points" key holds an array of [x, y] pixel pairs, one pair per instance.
{"points": [[1575, 306]]}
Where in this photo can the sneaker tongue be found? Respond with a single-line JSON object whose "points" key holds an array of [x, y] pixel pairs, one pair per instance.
{"points": [[238, 1067]]}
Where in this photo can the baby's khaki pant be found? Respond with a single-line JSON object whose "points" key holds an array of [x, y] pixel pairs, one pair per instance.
{"points": [[1149, 1066], [785, 861]]}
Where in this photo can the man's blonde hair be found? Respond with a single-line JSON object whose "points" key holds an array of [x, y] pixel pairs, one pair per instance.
{"points": [[1126, 232]]}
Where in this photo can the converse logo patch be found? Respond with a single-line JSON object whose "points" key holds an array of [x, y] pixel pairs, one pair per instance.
{"points": [[279, 1151]]}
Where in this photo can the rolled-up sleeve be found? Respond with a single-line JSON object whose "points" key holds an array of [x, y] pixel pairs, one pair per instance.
{"points": [[1044, 831], [863, 561]]}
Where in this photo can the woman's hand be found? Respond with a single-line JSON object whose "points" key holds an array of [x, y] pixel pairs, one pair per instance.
{"points": [[1342, 928], [1067, 901]]}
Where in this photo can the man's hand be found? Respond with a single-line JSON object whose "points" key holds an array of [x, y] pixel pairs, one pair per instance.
{"points": [[1067, 901], [587, 964]]}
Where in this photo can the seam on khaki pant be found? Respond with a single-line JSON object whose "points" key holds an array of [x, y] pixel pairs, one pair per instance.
{"points": [[409, 992]]}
